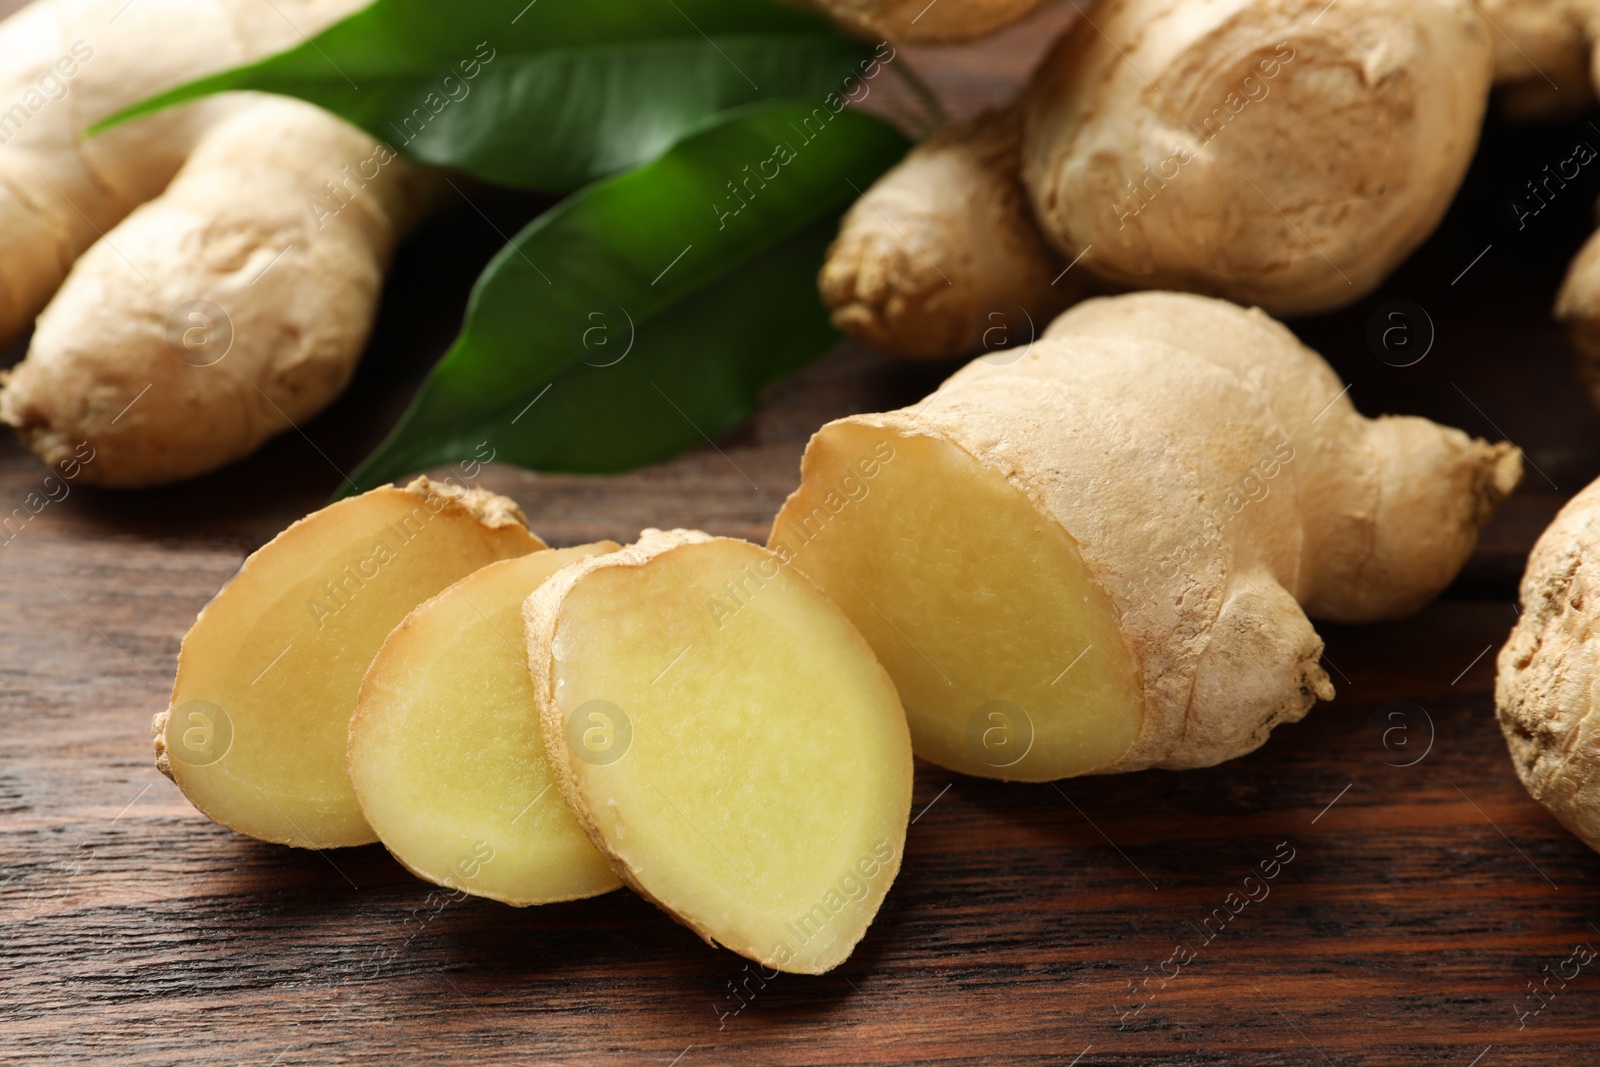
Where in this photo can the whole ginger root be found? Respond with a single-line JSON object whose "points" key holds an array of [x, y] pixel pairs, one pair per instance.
{"points": [[193, 304], [1282, 153], [1549, 671]]}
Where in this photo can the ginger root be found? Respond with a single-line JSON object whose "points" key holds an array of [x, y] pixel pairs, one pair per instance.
{"points": [[1548, 671], [1101, 556], [995, 283], [225, 309], [268, 676], [727, 740], [1282, 153]]}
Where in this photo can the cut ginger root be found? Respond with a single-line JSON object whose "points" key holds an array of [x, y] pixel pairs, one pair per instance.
{"points": [[1101, 556], [268, 675], [445, 752], [992, 601], [728, 741]]}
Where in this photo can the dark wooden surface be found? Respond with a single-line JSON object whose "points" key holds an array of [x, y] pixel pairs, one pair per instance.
{"points": [[1421, 902]]}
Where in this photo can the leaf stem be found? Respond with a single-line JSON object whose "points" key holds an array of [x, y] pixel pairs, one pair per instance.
{"points": [[934, 112]]}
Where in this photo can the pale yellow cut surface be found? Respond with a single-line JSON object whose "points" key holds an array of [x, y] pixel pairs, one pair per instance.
{"points": [[728, 740], [1005, 650], [268, 675], [445, 753]]}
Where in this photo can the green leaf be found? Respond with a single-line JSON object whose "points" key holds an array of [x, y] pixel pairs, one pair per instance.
{"points": [[643, 315], [546, 95]]}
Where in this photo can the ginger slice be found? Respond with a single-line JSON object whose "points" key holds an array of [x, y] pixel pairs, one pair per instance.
{"points": [[445, 752], [1006, 650], [727, 739], [268, 675]]}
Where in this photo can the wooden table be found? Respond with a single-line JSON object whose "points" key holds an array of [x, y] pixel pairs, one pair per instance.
{"points": [[1425, 893]]}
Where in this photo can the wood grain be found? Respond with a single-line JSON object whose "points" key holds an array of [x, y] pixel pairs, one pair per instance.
{"points": [[1420, 902]]}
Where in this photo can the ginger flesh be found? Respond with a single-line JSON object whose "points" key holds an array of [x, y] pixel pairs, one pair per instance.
{"points": [[1006, 650], [268, 676], [445, 752], [728, 740]]}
